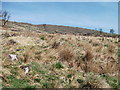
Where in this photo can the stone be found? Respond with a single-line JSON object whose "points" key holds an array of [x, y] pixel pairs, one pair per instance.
{"points": [[13, 57]]}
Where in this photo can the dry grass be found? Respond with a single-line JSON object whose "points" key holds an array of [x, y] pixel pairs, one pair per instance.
{"points": [[88, 56], [25, 57], [11, 42], [43, 52], [55, 45], [87, 59], [111, 48]]}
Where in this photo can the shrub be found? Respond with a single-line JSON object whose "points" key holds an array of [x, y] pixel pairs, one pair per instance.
{"points": [[66, 55]]}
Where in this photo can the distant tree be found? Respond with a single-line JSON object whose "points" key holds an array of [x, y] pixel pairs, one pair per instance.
{"points": [[101, 30], [5, 17], [44, 26], [112, 31], [0, 14]]}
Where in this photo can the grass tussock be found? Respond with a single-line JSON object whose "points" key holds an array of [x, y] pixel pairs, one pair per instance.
{"points": [[66, 54], [111, 48]]}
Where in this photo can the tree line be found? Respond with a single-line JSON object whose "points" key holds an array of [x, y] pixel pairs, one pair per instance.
{"points": [[111, 31]]}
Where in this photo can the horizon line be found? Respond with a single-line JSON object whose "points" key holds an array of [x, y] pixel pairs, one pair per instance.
{"points": [[90, 28]]}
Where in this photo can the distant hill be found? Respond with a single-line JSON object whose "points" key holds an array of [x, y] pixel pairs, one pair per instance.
{"points": [[56, 29]]}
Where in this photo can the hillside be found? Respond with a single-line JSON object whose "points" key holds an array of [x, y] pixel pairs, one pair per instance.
{"points": [[33, 58], [56, 29]]}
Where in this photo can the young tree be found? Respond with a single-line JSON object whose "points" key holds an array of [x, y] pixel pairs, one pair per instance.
{"points": [[112, 31], [5, 17]]}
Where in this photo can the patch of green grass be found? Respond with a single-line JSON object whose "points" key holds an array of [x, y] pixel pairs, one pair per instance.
{"points": [[18, 83], [114, 82], [58, 65], [36, 68]]}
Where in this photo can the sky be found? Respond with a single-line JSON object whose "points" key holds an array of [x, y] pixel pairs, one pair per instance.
{"points": [[91, 15]]}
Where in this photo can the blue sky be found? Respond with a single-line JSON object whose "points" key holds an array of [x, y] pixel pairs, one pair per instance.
{"points": [[81, 14]]}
